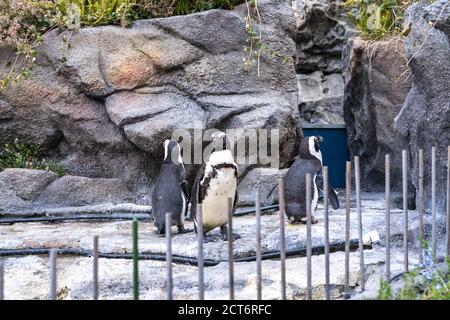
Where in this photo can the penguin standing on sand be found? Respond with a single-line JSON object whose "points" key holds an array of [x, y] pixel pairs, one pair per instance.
{"points": [[171, 189], [214, 184], [309, 160]]}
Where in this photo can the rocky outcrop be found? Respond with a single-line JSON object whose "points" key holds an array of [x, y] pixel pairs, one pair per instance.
{"points": [[374, 94], [104, 104], [424, 120], [322, 44]]}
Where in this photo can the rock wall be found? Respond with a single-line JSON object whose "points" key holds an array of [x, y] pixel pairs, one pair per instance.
{"points": [[424, 120], [376, 87], [104, 105], [323, 33]]}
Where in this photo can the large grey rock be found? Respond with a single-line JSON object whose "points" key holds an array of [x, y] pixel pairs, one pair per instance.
{"points": [[374, 95], [26, 184], [104, 105], [425, 116], [79, 191], [32, 191]]}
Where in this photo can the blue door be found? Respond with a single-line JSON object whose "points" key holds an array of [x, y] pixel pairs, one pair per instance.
{"points": [[334, 150]]}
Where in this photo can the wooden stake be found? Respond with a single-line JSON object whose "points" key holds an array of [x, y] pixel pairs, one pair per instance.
{"points": [[433, 203], [388, 216], [420, 205], [347, 224], [201, 262], [169, 280], [135, 259], [282, 239], [53, 274], [95, 267], [360, 223], [327, 233], [258, 247], [405, 209], [230, 248], [308, 238]]}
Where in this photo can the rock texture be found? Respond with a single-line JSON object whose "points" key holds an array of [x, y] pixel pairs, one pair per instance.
{"points": [[322, 44], [424, 120], [264, 179], [321, 97], [374, 94], [104, 105]]}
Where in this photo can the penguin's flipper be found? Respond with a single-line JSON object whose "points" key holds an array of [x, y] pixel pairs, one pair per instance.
{"points": [[332, 196], [236, 199], [195, 194], [185, 187]]}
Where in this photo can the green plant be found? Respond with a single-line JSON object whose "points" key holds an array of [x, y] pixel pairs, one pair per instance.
{"points": [[22, 155], [385, 291], [254, 44], [377, 19]]}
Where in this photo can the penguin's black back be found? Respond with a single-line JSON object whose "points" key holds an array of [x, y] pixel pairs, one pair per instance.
{"points": [[295, 185], [167, 194]]}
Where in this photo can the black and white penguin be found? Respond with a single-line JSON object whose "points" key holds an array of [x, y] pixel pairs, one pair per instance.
{"points": [[215, 183], [171, 193], [309, 160]]}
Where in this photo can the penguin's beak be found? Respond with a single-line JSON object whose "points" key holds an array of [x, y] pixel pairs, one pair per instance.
{"points": [[320, 138]]}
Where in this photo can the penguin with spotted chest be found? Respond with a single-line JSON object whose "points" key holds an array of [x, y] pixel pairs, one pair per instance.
{"points": [[309, 160], [215, 183], [171, 193]]}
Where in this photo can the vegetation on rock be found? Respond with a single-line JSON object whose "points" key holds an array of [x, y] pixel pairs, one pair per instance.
{"points": [[24, 23], [425, 285], [378, 19], [21, 155]]}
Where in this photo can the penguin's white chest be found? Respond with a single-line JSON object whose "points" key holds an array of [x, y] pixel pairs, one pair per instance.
{"points": [[315, 198], [215, 204]]}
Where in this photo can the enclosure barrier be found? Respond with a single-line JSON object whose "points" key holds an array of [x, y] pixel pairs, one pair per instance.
{"points": [[347, 245]]}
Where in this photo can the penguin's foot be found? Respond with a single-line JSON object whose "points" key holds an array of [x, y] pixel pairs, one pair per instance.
{"points": [[208, 239], [305, 221], [224, 232], [182, 230], [160, 232]]}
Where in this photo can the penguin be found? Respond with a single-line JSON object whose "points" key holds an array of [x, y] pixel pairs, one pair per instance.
{"points": [[171, 192], [309, 160], [215, 183]]}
